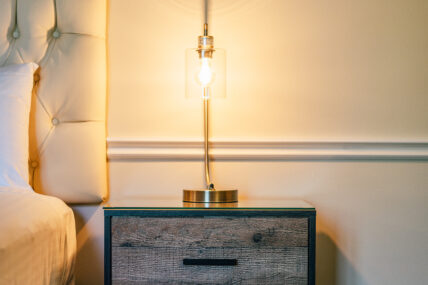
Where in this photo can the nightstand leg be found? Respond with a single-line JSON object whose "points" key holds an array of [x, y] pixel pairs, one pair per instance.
{"points": [[107, 250], [312, 241]]}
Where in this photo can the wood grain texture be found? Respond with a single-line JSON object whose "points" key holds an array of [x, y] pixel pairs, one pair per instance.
{"points": [[234, 232], [146, 265]]}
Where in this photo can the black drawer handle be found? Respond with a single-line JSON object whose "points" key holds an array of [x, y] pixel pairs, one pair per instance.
{"points": [[208, 262]]}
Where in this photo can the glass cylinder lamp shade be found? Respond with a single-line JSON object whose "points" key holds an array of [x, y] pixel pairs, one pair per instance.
{"points": [[205, 75]]}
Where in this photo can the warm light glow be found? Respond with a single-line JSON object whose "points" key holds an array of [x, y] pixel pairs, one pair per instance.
{"points": [[205, 75]]}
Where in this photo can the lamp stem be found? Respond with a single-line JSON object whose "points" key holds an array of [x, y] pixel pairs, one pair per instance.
{"points": [[208, 182], [205, 17], [205, 11]]}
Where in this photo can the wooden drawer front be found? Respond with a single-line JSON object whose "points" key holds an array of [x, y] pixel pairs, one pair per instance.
{"points": [[260, 250], [147, 265], [277, 232]]}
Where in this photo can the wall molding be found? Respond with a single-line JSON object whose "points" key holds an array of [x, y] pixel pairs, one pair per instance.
{"points": [[259, 150]]}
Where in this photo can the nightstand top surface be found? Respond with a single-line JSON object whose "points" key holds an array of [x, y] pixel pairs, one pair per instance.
{"points": [[177, 204]]}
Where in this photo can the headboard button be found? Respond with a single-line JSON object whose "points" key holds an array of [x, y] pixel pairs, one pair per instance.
{"points": [[15, 34], [36, 78], [34, 164], [56, 34], [55, 121]]}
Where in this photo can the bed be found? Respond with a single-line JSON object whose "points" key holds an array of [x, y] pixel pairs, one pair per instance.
{"points": [[37, 238], [64, 147]]}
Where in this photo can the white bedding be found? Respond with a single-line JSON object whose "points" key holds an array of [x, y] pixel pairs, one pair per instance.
{"points": [[37, 238]]}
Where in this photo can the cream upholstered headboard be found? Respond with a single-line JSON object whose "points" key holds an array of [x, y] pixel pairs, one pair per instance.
{"points": [[67, 133]]}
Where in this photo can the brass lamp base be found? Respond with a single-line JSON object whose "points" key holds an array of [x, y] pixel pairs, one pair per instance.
{"points": [[210, 196]]}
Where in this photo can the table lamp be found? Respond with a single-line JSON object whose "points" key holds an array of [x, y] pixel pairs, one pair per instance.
{"points": [[206, 77]]}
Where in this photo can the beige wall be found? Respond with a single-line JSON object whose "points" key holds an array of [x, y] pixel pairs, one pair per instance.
{"points": [[297, 70]]}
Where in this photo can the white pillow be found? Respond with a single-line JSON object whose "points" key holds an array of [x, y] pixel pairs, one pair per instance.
{"points": [[16, 84]]}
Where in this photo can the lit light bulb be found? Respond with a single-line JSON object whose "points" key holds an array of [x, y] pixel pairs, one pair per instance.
{"points": [[205, 75]]}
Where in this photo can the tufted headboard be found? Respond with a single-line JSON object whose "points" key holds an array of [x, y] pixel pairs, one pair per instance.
{"points": [[67, 121]]}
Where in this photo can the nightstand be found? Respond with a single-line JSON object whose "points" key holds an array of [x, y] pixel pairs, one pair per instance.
{"points": [[170, 242]]}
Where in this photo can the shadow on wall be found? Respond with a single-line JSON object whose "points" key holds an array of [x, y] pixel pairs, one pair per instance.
{"points": [[332, 267], [89, 260]]}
